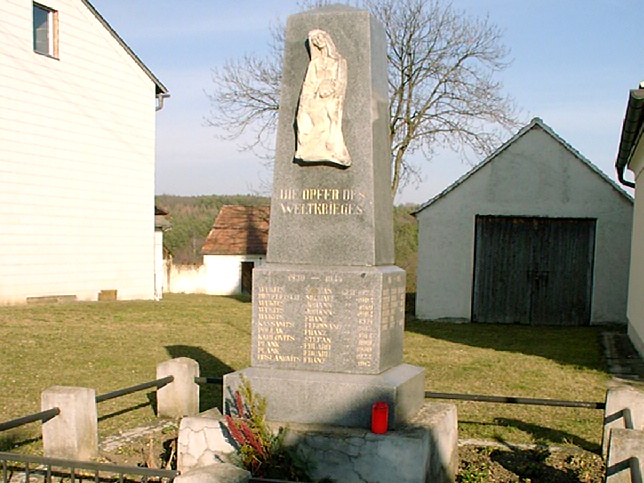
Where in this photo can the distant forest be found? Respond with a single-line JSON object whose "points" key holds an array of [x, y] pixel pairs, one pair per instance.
{"points": [[193, 216]]}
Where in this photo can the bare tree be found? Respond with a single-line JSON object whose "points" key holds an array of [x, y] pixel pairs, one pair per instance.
{"points": [[442, 87]]}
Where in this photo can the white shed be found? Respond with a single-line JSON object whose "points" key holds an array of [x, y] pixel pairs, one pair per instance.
{"points": [[535, 234], [235, 245]]}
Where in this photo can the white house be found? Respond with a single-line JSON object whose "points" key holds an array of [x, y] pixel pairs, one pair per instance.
{"points": [[77, 156], [235, 245], [631, 156], [535, 234]]}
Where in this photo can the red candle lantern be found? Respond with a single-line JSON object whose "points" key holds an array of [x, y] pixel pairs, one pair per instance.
{"points": [[379, 417]]}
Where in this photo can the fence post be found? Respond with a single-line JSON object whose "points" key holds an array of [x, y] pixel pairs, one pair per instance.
{"points": [[73, 434], [625, 453], [181, 396], [624, 409]]}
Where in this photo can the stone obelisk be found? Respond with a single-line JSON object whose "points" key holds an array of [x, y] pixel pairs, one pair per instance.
{"points": [[329, 304]]}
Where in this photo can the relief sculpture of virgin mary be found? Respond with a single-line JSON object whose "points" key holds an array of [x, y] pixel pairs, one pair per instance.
{"points": [[319, 115]]}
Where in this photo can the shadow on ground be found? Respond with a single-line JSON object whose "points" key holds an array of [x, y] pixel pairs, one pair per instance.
{"points": [[579, 346], [245, 298], [210, 395], [549, 435], [11, 440]]}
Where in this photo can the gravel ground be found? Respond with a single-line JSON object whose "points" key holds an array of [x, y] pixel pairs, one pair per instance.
{"points": [[478, 464], [540, 465]]}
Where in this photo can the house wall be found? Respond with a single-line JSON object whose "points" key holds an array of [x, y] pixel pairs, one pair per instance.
{"points": [[636, 286], [219, 275], [160, 278], [77, 140], [534, 176]]}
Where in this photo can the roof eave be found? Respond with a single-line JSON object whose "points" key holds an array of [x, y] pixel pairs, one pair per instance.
{"points": [[631, 128], [161, 90], [534, 122]]}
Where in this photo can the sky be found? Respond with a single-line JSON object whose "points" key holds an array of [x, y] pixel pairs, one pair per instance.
{"points": [[573, 63]]}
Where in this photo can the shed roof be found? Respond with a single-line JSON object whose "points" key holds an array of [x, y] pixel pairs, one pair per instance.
{"points": [[238, 230], [536, 122], [160, 220], [161, 90]]}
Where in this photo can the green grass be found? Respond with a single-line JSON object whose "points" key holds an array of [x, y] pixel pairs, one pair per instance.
{"points": [[112, 345], [536, 362]]}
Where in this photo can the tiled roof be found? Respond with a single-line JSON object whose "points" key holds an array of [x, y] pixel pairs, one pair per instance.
{"points": [[238, 230]]}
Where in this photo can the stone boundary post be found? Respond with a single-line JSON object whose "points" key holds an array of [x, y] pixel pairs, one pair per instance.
{"points": [[625, 453], [624, 410], [73, 434], [180, 397]]}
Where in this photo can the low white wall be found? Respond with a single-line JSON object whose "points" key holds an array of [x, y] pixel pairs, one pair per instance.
{"points": [[187, 279], [219, 275], [159, 265]]}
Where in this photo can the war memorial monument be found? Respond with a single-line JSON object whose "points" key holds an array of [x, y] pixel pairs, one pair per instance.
{"points": [[329, 303]]}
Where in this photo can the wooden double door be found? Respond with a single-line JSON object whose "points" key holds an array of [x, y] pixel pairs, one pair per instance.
{"points": [[536, 271]]}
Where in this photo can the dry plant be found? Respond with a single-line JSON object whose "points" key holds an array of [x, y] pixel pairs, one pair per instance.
{"points": [[261, 451]]}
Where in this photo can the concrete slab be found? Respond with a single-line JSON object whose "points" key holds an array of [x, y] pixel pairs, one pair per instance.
{"points": [[625, 456], [423, 450]]}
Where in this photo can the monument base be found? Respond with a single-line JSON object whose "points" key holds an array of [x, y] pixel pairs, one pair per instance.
{"points": [[335, 399], [424, 449]]}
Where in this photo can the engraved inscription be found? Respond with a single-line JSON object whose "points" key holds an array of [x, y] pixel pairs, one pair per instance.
{"points": [[321, 201], [326, 320], [393, 303], [272, 327], [366, 343], [318, 312]]}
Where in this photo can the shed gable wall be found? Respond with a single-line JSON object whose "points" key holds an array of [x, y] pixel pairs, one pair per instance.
{"points": [[77, 140], [534, 176]]}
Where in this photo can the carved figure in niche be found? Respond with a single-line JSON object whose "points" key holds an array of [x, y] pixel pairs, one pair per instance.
{"points": [[319, 115]]}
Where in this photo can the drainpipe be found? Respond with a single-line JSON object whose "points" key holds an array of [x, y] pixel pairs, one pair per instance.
{"points": [[620, 177], [160, 97]]}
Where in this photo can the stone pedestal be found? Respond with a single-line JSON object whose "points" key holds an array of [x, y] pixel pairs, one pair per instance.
{"points": [[423, 450], [333, 398], [328, 318]]}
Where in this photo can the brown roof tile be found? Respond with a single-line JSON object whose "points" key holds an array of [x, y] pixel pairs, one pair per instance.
{"points": [[238, 230]]}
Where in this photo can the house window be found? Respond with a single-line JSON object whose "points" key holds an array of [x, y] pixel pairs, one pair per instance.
{"points": [[45, 30]]}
